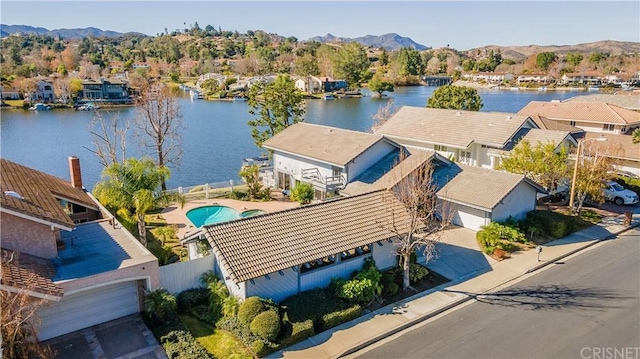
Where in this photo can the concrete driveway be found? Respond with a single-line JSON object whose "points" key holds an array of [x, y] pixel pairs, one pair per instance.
{"points": [[459, 256], [124, 338]]}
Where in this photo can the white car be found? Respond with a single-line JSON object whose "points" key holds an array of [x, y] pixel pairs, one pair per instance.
{"points": [[614, 192]]}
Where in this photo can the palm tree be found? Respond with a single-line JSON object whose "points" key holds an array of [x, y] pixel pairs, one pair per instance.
{"points": [[218, 292], [133, 186], [208, 277], [635, 135], [158, 304], [230, 306]]}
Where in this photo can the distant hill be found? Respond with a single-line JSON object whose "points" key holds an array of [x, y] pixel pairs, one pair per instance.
{"points": [[520, 53], [390, 41], [7, 30]]}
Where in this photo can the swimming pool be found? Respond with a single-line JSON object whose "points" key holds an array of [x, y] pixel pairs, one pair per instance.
{"points": [[203, 216], [252, 212]]}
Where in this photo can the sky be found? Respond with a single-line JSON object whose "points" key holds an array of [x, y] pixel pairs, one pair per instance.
{"points": [[460, 24]]}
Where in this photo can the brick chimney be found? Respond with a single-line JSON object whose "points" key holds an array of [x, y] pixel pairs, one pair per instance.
{"points": [[74, 171]]}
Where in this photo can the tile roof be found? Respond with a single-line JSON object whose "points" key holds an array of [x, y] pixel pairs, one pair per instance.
{"points": [[40, 192], [25, 272], [452, 127], [468, 185], [536, 135], [252, 247], [623, 143], [596, 112], [547, 124], [630, 102], [328, 144]]}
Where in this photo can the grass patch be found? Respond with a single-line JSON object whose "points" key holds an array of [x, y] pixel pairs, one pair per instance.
{"points": [[14, 103], [218, 342]]}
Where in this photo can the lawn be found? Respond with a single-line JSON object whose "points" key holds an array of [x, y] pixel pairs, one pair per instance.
{"points": [[218, 342]]}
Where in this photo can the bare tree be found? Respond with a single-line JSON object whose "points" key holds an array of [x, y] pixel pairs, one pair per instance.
{"points": [[384, 113], [159, 123], [109, 138], [427, 216], [20, 314], [594, 167]]}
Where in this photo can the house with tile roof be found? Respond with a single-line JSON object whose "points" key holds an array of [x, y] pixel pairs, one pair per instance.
{"points": [[621, 148], [326, 157], [598, 117], [89, 268], [627, 100], [470, 137]]}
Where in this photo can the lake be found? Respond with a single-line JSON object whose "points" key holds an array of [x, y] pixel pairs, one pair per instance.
{"points": [[216, 137]]}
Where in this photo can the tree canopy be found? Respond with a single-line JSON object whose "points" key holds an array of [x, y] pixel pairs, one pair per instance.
{"points": [[540, 163], [278, 105], [455, 97], [352, 64], [379, 85], [544, 59]]}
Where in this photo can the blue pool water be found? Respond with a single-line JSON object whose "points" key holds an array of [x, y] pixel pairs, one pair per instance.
{"points": [[206, 215]]}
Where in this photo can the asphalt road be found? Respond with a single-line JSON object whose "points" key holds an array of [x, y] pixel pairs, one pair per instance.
{"points": [[584, 308]]}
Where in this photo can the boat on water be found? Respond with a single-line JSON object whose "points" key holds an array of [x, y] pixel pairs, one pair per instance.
{"points": [[87, 107], [196, 95], [328, 96], [542, 88], [40, 107], [239, 98]]}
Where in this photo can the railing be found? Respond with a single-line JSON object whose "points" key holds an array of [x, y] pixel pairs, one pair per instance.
{"points": [[207, 190], [326, 183]]}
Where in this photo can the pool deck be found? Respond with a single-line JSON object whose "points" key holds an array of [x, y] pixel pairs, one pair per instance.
{"points": [[178, 216]]}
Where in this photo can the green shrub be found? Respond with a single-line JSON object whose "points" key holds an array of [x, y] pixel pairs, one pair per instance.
{"points": [[188, 299], [266, 325], [179, 344], [259, 348], [389, 285], [204, 313], [159, 304], [364, 286], [333, 319], [249, 309], [302, 193], [238, 195], [241, 331], [310, 304], [299, 332], [417, 272], [559, 229]]}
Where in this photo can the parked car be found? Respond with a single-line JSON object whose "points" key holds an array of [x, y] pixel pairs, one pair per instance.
{"points": [[614, 192]]}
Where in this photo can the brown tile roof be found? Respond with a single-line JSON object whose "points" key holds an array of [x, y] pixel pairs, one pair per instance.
{"points": [[452, 127], [24, 272], [630, 102], [475, 186], [40, 192], [252, 247], [623, 143], [547, 124], [535, 136], [595, 112], [328, 144]]}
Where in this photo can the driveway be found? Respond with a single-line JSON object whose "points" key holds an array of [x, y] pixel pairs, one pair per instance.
{"points": [[459, 256], [124, 338]]}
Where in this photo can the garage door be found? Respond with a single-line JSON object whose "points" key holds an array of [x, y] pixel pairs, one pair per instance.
{"points": [[84, 309], [468, 217]]}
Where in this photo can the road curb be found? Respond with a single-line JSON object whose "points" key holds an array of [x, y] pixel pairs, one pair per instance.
{"points": [[468, 297]]}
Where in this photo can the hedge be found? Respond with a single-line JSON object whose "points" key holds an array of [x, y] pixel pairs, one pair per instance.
{"points": [[299, 332], [266, 325], [249, 309], [191, 298], [180, 344], [333, 319]]}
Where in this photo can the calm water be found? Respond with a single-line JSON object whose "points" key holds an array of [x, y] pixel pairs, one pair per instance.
{"points": [[216, 136]]}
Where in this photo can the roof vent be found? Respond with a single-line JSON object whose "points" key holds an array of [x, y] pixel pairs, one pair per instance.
{"points": [[509, 117], [458, 113], [13, 194]]}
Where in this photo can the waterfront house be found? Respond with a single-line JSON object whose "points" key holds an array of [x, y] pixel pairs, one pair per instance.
{"points": [[9, 93], [589, 116], [111, 90], [629, 101], [488, 77], [326, 157], [588, 78], [86, 265], [621, 148], [43, 91], [327, 84], [535, 78]]}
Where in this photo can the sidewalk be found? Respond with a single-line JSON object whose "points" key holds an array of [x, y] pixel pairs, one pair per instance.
{"points": [[372, 327]]}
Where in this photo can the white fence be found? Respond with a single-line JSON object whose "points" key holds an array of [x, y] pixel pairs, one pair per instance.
{"points": [[179, 276], [207, 190]]}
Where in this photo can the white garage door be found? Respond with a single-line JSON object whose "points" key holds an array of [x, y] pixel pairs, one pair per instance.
{"points": [[470, 218], [84, 309]]}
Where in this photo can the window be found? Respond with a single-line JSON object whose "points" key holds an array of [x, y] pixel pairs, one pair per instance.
{"points": [[309, 266], [337, 171], [440, 148], [608, 127], [356, 252], [464, 156], [572, 123]]}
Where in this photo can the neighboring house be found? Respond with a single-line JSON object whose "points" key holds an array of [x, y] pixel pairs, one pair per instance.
{"points": [[309, 84], [489, 77], [591, 78], [536, 78], [628, 101], [466, 136], [279, 254], [43, 92], [113, 90], [326, 157], [327, 84], [9, 93], [620, 147], [589, 116], [89, 268]]}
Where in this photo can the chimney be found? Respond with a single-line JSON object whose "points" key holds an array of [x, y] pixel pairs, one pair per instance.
{"points": [[74, 171]]}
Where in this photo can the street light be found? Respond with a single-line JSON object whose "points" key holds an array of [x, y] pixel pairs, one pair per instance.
{"points": [[575, 168]]}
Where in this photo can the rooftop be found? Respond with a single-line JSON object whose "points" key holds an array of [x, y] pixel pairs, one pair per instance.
{"points": [[630, 102], [452, 127], [594, 112], [620, 144], [97, 247], [327, 144]]}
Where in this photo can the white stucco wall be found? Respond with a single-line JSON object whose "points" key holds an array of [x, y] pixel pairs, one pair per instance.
{"points": [[385, 256], [292, 164], [277, 287], [516, 204], [368, 159], [320, 278], [592, 127]]}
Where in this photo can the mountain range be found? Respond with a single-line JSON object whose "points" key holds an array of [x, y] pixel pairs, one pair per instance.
{"points": [[390, 42], [79, 33]]}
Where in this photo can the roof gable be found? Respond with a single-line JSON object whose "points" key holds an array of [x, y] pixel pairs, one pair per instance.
{"points": [[453, 127], [252, 247], [327, 144], [595, 112], [40, 193]]}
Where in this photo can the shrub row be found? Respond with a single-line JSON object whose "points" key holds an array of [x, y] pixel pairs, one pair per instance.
{"points": [[180, 344], [336, 318], [554, 224], [191, 298]]}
